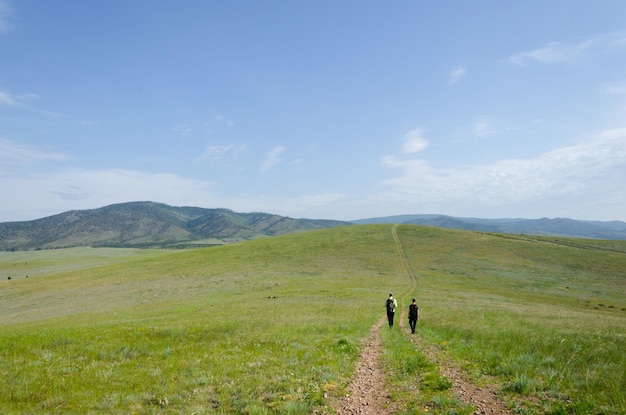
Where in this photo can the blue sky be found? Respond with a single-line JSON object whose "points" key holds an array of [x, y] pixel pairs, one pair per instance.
{"points": [[317, 109]]}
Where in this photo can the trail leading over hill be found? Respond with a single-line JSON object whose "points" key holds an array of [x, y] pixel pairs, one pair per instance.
{"points": [[408, 271], [483, 398], [367, 393]]}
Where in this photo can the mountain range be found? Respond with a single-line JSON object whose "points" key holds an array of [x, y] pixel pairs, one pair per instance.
{"points": [[150, 224]]}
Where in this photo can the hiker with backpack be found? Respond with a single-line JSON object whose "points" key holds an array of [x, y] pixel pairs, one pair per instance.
{"points": [[391, 305], [413, 309]]}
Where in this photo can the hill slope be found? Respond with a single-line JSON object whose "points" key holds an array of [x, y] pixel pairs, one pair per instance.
{"points": [[540, 319], [149, 224], [544, 226]]}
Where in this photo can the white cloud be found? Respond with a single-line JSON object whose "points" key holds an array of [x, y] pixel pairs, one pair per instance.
{"points": [[6, 17], [456, 75], [39, 195], [22, 102], [272, 158], [11, 100], [224, 120], [616, 89], [219, 152], [483, 128], [182, 130], [13, 154], [414, 142], [553, 52], [577, 181], [50, 193], [7, 100], [557, 52], [576, 178]]}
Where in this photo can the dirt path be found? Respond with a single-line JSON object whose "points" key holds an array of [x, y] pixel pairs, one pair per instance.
{"points": [[367, 393], [484, 399]]}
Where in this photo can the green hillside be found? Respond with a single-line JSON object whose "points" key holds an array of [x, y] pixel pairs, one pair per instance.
{"points": [[275, 325]]}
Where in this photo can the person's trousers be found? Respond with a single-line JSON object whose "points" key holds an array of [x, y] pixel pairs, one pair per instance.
{"points": [[390, 317], [412, 323]]}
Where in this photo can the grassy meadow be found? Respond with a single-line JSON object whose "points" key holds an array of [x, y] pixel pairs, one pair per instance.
{"points": [[275, 325]]}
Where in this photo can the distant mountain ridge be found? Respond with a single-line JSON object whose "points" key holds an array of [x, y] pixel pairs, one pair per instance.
{"points": [[149, 224], [615, 230]]}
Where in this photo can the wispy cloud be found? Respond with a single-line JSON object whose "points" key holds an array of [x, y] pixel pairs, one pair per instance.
{"points": [[553, 52], [7, 99], [219, 152], [558, 52], [272, 158], [23, 102], [483, 128], [616, 89], [12, 153], [54, 192], [6, 17], [456, 75], [568, 181], [414, 142], [12, 100], [576, 175], [224, 120], [182, 130]]}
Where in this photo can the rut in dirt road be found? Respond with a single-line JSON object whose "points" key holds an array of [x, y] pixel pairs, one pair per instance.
{"points": [[367, 394], [484, 399]]}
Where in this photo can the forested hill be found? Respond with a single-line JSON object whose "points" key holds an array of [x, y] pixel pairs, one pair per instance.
{"points": [[149, 224]]}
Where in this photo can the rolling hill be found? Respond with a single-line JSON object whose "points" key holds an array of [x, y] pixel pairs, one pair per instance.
{"points": [[149, 224], [544, 226]]}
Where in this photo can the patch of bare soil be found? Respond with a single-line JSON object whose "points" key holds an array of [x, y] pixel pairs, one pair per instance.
{"points": [[367, 393]]}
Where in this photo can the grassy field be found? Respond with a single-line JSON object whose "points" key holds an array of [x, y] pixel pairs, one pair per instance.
{"points": [[545, 317], [275, 325]]}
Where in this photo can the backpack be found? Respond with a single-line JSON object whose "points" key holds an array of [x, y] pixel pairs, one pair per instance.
{"points": [[390, 306]]}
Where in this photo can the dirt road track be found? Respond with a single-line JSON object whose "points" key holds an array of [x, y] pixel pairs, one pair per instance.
{"points": [[367, 393]]}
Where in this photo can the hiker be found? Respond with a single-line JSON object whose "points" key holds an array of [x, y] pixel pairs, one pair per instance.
{"points": [[413, 309], [391, 305]]}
